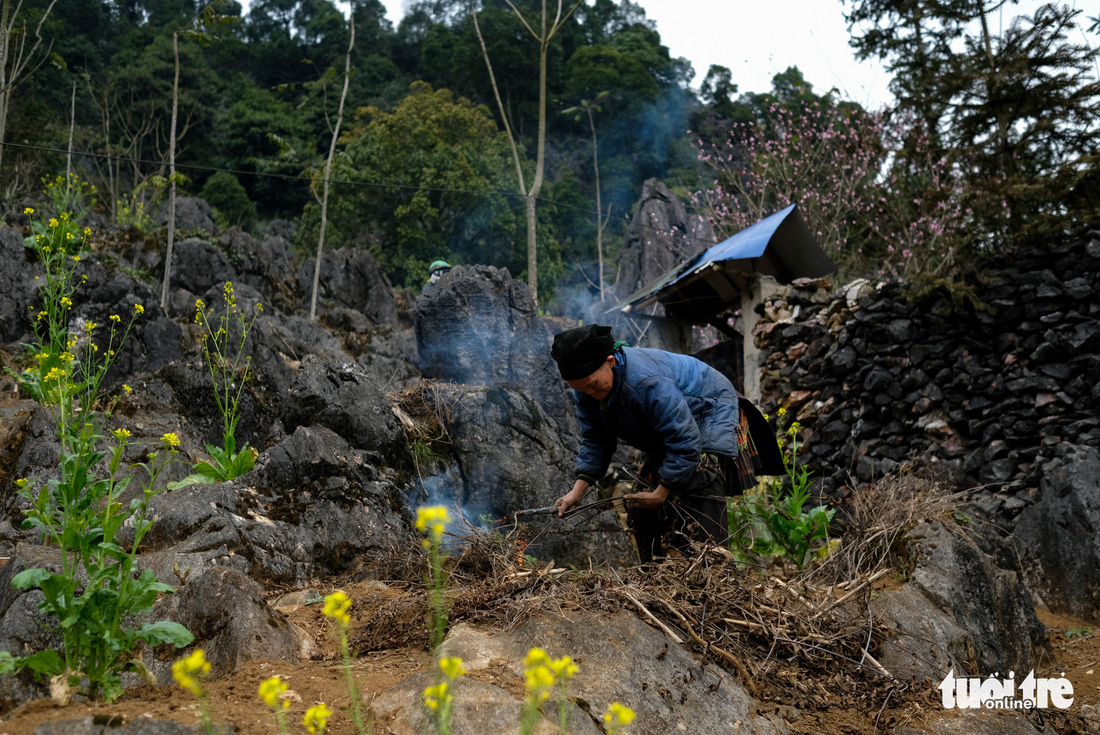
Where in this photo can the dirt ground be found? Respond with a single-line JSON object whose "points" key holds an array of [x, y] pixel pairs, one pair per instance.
{"points": [[869, 709]]}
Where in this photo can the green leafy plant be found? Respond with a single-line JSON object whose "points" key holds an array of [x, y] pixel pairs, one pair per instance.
{"points": [[70, 195], [773, 521], [223, 353], [132, 209], [96, 593], [1078, 632]]}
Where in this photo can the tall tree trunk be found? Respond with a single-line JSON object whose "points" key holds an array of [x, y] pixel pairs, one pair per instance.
{"points": [[171, 176], [328, 175], [5, 89], [69, 156]]}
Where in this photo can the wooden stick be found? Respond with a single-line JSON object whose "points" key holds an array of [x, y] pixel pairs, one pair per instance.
{"points": [[870, 580], [742, 672], [668, 631]]}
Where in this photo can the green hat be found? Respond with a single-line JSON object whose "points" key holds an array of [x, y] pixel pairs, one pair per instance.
{"points": [[580, 352], [437, 264]]}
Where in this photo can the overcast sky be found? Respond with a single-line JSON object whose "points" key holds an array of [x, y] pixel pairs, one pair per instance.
{"points": [[757, 40]]}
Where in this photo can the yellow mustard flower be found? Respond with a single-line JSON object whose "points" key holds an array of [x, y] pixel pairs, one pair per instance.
{"points": [[28, 210], [55, 374], [21, 482], [563, 667], [116, 318], [452, 667], [432, 520], [272, 690], [189, 670], [337, 606], [76, 258], [90, 326], [139, 309], [435, 696], [52, 222], [127, 388], [782, 412], [618, 715], [121, 434], [170, 440], [42, 314], [66, 301], [42, 356], [317, 718]]}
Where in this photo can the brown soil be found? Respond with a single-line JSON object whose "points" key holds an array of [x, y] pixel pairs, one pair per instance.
{"points": [[839, 702]]}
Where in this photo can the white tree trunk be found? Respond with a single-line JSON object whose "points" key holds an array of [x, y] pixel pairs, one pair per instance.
{"points": [[171, 176], [328, 175]]}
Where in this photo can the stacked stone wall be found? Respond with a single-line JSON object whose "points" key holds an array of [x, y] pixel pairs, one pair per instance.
{"points": [[985, 380]]}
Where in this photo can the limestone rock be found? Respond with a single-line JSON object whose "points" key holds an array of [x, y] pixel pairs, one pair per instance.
{"points": [[478, 326], [1059, 533], [231, 622], [619, 658]]}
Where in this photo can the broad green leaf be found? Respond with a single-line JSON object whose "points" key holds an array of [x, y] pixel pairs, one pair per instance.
{"points": [[165, 631], [45, 663], [30, 578]]}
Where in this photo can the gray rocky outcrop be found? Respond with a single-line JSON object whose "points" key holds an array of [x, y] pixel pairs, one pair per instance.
{"points": [[341, 397], [231, 622], [660, 236], [509, 456], [627, 662], [1060, 534], [17, 286], [479, 326], [192, 213], [265, 265], [108, 725], [958, 610], [312, 506], [350, 278]]}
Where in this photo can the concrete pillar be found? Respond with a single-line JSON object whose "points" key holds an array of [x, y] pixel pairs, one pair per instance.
{"points": [[759, 290]]}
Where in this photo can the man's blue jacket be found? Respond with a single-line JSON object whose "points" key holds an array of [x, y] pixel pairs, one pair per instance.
{"points": [[667, 405]]}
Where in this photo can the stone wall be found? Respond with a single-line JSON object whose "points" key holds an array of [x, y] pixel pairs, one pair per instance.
{"points": [[989, 382]]}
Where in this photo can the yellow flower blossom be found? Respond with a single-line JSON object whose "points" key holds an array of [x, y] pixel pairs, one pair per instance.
{"points": [[437, 695], [139, 309], [617, 715], [121, 434], [28, 210], [21, 482], [782, 412], [336, 607], [170, 440], [189, 670], [317, 718], [66, 301], [52, 222], [452, 668], [90, 326], [538, 675], [563, 667], [42, 356], [68, 356], [127, 388], [55, 374], [272, 690], [432, 520], [76, 258], [116, 318], [42, 314]]}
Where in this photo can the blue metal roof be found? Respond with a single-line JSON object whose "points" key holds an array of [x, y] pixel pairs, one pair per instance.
{"points": [[780, 245]]}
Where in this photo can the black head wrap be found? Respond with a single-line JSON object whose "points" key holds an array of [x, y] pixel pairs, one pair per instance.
{"points": [[580, 352]]}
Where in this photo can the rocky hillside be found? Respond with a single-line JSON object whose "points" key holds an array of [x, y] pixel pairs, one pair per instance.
{"points": [[393, 400]]}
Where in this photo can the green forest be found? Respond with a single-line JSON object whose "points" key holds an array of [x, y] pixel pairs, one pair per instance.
{"points": [[991, 143]]}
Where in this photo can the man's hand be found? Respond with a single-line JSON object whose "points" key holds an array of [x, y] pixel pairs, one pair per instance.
{"points": [[649, 500], [571, 498]]}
